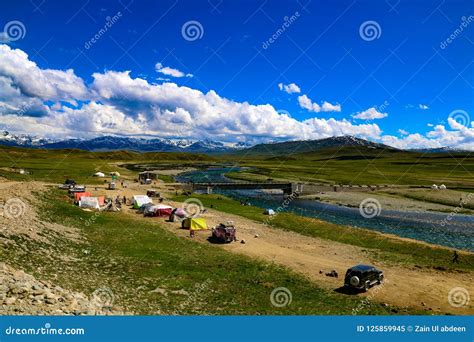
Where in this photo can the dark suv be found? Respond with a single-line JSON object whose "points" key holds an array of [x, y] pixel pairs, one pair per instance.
{"points": [[362, 277]]}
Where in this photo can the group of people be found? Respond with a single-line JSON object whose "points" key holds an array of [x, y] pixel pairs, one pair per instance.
{"points": [[246, 202], [120, 200]]}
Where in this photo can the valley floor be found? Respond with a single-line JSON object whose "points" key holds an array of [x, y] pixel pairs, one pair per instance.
{"points": [[151, 266]]}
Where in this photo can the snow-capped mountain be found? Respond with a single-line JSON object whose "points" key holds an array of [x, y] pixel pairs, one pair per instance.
{"points": [[9, 139], [110, 143]]}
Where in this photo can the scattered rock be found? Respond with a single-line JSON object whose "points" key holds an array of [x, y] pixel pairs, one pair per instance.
{"points": [[22, 294], [242, 241], [159, 290], [180, 292]]}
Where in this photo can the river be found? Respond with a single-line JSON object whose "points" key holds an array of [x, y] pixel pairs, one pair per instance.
{"points": [[458, 232]]}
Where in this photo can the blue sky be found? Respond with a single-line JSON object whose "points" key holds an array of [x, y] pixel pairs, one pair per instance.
{"points": [[406, 80]]}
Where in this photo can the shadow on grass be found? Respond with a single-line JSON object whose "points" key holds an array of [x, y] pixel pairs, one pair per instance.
{"points": [[348, 291]]}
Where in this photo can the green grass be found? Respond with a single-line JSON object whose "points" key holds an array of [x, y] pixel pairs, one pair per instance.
{"points": [[166, 178], [333, 166], [135, 257], [444, 197], [57, 165], [364, 166], [382, 248]]}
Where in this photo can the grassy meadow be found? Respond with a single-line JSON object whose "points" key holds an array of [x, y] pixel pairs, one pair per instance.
{"points": [[152, 271], [379, 246], [57, 165], [355, 166], [331, 166]]}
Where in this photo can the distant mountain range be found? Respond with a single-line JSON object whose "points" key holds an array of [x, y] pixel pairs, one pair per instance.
{"points": [[113, 143]]}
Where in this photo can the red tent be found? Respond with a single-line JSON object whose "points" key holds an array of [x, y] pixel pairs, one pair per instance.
{"points": [[162, 210], [78, 195]]}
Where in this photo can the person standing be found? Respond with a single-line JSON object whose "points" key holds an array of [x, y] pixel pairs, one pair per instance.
{"points": [[455, 257]]}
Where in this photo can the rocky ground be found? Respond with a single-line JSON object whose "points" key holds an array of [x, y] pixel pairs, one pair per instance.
{"points": [[23, 294]]}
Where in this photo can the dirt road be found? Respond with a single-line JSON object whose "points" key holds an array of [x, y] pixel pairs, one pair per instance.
{"points": [[404, 286]]}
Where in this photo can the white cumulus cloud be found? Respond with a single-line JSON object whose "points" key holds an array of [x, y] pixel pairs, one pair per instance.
{"points": [[58, 103], [370, 114], [305, 102], [291, 88], [170, 71]]}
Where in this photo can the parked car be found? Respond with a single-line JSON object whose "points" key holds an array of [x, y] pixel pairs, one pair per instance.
{"points": [[224, 233], [363, 277]]}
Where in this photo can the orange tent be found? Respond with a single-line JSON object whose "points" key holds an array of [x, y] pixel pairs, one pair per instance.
{"points": [[78, 195], [101, 200]]}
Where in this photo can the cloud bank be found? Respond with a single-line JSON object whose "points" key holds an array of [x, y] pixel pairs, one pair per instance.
{"points": [[59, 103]]}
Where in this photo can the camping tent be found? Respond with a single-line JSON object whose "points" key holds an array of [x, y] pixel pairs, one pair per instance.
{"points": [[89, 202], [194, 224], [163, 210], [101, 200], [178, 214], [139, 200], [442, 187], [157, 210], [269, 212], [78, 195], [434, 187], [99, 174], [143, 207]]}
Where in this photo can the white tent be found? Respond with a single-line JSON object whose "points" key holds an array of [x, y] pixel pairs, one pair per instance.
{"points": [[89, 202], [442, 187], [434, 187], [139, 200], [269, 212], [99, 174]]}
